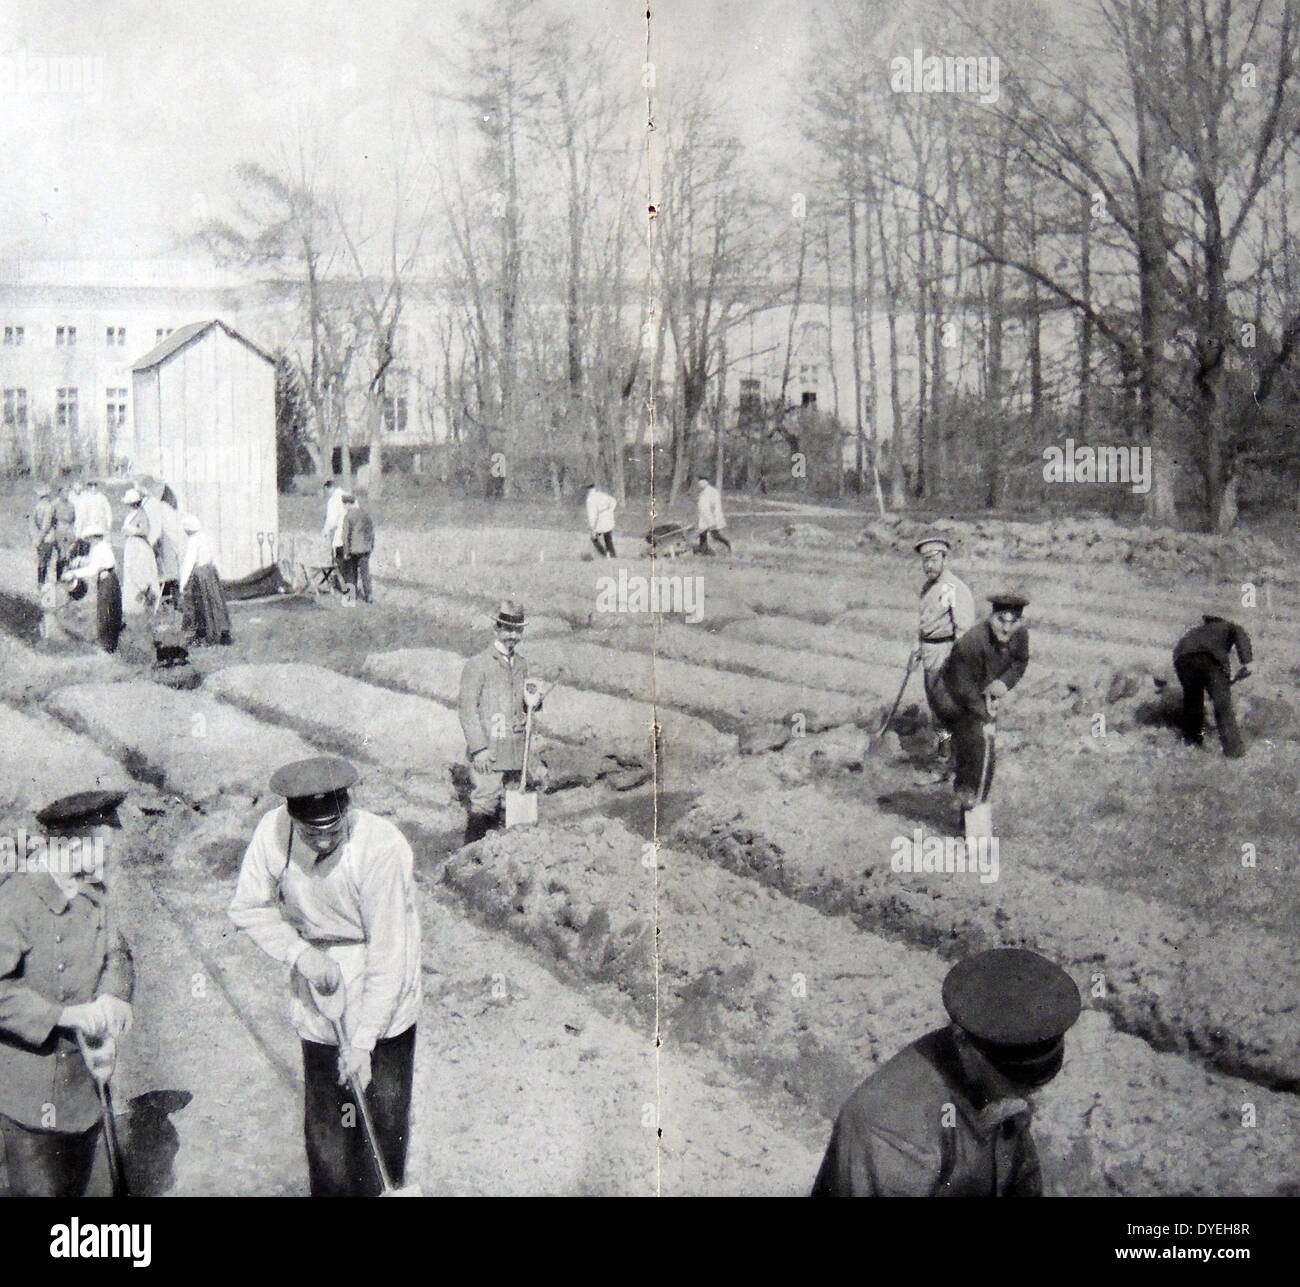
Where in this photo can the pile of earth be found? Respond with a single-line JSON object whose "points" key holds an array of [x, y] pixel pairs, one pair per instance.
{"points": [[1091, 539]]}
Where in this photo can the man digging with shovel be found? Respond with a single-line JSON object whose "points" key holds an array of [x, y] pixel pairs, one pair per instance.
{"points": [[329, 890], [66, 980], [947, 611], [496, 705], [984, 665]]}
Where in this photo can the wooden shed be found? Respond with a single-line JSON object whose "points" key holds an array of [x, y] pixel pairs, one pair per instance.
{"points": [[204, 422]]}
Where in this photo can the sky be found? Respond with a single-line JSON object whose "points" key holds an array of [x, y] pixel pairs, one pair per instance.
{"points": [[132, 141]]}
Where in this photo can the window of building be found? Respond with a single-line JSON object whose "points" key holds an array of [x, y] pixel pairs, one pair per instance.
{"points": [[115, 337], [65, 336], [14, 335], [395, 413], [115, 408], [15, 410], [162, 333], [65, 410]]}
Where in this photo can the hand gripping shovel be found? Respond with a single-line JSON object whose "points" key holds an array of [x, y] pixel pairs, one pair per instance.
{"points": [[874, 744], [521, 805], [978, 820], [332, 1005], [105, 1093]]}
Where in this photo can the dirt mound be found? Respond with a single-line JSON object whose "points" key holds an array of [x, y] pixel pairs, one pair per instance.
{"points": [[1092, 539]]}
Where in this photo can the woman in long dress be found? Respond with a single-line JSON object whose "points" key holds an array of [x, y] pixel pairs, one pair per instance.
{"points": [[98, 567], [141, 588], [206, 617]]}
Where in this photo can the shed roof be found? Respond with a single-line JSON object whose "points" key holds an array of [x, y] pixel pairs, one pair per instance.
{"points": [[184, 335]]}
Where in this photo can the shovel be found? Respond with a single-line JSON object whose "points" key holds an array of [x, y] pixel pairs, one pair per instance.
{"points": [[874, 743], [332, 1005], [978, 820], [521, 805], [115, 1168]]}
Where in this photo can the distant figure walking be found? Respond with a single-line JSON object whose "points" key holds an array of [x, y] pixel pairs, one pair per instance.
{"points": [[358, 544], [1202, 662], [65, 529], [205, 617], [709, 518], [44, 540], [600, 520], [98, 567], [141, 588]]}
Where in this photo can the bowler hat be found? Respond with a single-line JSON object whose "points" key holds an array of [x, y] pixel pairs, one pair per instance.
{"points": [[510, 613]]}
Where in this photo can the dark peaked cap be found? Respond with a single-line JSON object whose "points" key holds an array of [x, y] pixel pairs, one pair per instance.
{"points": [[1017, 1007], [83, 809], [315, 789]]}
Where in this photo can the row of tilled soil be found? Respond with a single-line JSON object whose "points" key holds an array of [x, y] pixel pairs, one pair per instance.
{"points": [[616, 724], [795, 998], [415, 740], [729, 702], [474, 615], [1218, 990]]}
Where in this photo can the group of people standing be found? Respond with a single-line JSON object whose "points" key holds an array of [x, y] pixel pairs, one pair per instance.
{"points": [[350, 531], [166, 559]]}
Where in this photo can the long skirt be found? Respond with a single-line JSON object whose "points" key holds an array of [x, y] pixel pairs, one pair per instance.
{"points": [[140, 585], [108, 610], [206, 617]]}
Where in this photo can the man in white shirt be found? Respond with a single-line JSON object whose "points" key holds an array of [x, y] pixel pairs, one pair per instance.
{"points": [[709, 519], [335, 510], [94, 510], [329, 890], [600, 520]]}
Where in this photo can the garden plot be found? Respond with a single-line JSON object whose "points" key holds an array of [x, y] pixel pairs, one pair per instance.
{"points": [[597, 720], [1219, 990], [735, 651], [415, 740], [727, 702], [189, 743], [792, 998], [28, 675], [462, 614], [41, 760]]}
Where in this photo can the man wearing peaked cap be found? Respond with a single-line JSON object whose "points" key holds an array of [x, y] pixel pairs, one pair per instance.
{"points": [[947, 612], [949, 1116], [329, 890], [985, 664], [495, 696], [66, 980]]}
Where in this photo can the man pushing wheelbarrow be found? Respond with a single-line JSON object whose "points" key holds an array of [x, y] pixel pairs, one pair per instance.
{"points": [[984, 665]]}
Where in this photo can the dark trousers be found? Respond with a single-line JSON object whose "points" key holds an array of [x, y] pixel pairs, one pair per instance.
{"points": [[339, 1160], [357, 566], [45, 556], [968, 756], [703, 546], [604, 543], [1200, 673], [48, 1164]]}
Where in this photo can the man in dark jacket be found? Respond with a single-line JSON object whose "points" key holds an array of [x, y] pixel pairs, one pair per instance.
{"points": [[66, 979], [1202, 661], [358, 543], [495, 697], [949, 1116], [984, 665]]}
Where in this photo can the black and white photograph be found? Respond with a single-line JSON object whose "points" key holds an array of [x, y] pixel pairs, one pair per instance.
{"points": [[650, 598]]}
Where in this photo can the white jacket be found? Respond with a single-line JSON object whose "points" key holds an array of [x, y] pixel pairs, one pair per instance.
{"points": [[600, 511], [709, 513]]}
